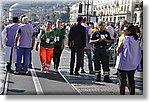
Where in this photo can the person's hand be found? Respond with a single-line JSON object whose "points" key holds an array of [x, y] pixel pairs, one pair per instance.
{"points": [[15, 45], [105, 39], [52, 42], [99, 40]]}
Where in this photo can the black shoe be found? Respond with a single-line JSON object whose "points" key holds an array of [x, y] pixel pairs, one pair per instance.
{"points": [[82, 71], [16, 73], [11, 71], [76, 73], [98, 78], [91, 72], [30, 65], [8, 66], [107, 79], [71, 72], [8, 69], [54, 66]]}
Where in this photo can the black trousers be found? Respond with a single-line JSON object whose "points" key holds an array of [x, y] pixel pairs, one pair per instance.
{"points": [[101, 57], [56, 56], [78, 53], [123, 76]]}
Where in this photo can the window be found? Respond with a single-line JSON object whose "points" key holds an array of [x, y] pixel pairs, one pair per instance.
{"points": [[121, 8], [110, 19], [114, 19], [125, 8], [128, 8], [135, 17]]}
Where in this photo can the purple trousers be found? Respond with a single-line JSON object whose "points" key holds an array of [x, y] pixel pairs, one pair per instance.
{"points": [[25, 53]]}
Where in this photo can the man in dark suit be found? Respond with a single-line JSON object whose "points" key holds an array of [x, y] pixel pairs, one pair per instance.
{"points": [[76, 42]]}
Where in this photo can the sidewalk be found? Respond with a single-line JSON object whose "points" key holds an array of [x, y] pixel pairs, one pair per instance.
{"points": [[85, 84], [3, 73]]}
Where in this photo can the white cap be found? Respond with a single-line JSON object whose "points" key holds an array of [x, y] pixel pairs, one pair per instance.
{"points": [[25, 20]]}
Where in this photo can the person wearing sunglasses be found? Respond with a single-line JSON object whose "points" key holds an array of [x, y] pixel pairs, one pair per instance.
{"points": [[128, 59], [100, 40]]}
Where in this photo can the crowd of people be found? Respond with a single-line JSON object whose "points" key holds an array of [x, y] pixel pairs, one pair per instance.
{"points": [[18, 40]]}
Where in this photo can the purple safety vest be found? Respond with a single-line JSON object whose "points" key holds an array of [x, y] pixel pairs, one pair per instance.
{"points": [[11, 34]]}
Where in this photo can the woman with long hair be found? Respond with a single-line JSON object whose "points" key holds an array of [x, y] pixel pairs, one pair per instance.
{"points": [[46, 40], [59, 43], [128, 59]]}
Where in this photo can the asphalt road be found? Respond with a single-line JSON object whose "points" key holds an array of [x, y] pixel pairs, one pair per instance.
{"points": [[54, 83], [37, 82]]}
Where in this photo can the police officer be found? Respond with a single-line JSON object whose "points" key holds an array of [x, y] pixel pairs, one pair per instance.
{"points": [[100, 39]]}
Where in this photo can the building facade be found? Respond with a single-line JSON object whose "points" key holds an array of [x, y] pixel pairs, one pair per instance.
{"points": [[83, 8], [116, 10], [110, 10]]}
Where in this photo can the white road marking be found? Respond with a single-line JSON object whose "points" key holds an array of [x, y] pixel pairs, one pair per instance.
{"points": [[69, 82], [36, 82], [6, 84], [66, 79], [86, 61]]}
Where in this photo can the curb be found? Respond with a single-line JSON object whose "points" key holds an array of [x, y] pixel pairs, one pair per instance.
{"points": [[3, 73]]}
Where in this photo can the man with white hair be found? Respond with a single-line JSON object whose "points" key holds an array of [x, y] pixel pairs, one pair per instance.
{"points": [[110, 29], [24, 43]]}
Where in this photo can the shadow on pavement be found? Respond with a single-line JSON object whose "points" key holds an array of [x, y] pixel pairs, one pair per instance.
{"points": [[51, 75]]}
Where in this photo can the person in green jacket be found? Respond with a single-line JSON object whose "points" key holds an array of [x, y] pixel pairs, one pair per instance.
{"points": [[46, 40], [59, 43]]}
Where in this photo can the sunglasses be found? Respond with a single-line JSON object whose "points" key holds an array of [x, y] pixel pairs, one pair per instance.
{"points": [[125, 30], [101, 25], [48, 24]]}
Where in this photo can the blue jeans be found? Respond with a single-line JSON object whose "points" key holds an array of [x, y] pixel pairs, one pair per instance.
{"points": [[25, 53], [89, 55]]}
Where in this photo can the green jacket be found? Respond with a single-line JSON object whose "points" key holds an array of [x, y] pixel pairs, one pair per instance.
{"points": [[47, 38], [59, 36]]}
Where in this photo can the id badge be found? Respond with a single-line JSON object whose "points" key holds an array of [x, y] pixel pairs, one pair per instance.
{"points": [[47, 40], [102, 36], [57, 38]]}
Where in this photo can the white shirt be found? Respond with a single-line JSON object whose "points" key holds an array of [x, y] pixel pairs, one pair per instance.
{"points": [[111, 31]]}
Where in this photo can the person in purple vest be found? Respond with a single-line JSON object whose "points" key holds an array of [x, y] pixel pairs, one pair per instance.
{"points": [[24, 43], [8, 37]]}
